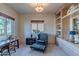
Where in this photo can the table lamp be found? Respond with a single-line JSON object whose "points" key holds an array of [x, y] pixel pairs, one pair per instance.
{"points": [[73, 33]]}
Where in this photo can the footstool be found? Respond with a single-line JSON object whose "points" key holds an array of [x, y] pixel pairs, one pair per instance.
{"points": [[38, 47]]}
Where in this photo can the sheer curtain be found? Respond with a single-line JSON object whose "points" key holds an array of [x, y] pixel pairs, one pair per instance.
{"points": [[6, 26], [37, 27]]}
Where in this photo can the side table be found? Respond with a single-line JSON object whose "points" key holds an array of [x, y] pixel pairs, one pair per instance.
{"points": [[30, 41]]}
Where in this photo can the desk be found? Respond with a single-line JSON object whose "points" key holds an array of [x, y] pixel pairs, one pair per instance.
{"points": [[17, 41], [4, 44]]}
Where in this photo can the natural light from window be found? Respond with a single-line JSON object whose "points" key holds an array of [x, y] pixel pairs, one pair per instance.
{"points": [[6, 26]]}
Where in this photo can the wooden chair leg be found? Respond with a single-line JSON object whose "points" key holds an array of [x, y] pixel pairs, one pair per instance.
{"points": [[9, 52], [14, 49], [1, 52]]}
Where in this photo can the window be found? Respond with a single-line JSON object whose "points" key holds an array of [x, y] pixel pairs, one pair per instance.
{"points": [[37, 26], [9, 24], [6, 26], [2, 24], [41, 27], [34, 26]]}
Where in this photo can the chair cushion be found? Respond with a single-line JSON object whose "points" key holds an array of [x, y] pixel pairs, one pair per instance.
{"points": [[38, 46], [40, 42]]}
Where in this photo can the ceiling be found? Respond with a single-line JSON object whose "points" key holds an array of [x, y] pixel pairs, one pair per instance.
{"points": [[29, 7]]}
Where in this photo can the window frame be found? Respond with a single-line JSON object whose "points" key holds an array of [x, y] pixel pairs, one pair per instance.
{"points": [[3, 25], [6, 17], [38, 22]]}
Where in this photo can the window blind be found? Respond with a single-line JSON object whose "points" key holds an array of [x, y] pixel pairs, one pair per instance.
{"points": [[6, 16]]}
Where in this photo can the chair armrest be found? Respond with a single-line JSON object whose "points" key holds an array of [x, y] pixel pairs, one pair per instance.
{"points": [[41, 42]]}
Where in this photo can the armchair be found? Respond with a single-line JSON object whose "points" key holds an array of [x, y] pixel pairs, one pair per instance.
{"points": [[41, 43]]}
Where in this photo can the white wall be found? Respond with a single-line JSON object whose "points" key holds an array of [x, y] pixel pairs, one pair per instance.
{"points": [[9, 11], [25, 25]]}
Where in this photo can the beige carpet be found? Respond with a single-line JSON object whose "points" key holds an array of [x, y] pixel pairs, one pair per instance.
{"points": [[52, 50]]}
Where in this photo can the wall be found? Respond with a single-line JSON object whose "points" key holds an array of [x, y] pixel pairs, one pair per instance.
{"points": [[9, 11], [25, 25]]}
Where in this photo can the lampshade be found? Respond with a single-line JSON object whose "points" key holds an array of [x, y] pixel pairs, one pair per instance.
{"points": [[72, 32]]}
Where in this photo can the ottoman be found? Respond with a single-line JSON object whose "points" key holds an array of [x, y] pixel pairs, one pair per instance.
{"points": [[38, 47]]}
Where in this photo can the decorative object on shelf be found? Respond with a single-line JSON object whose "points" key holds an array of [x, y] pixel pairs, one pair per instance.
{"points": [[76, 24], [58, 26], [58, 33], [73, 33]]}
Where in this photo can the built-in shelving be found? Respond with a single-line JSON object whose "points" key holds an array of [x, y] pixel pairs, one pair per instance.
{"points": [[76, 10], [69, 21], [58, 24], [63, 20]]}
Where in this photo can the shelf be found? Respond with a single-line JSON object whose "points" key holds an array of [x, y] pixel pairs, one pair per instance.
{"points": [[59, 36], [59, 24], [76, 10], [58, 18], [65, 9], [59, 30], [58, 21], [58, 14]]}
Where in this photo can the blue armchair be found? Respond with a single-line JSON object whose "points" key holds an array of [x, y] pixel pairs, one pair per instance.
{"points": [[41, 43]]}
